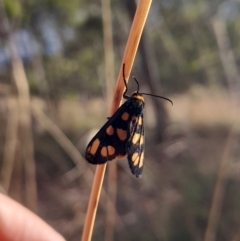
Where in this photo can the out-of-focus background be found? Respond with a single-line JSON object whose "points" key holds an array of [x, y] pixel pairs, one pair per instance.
{"points": [[58, 66]]}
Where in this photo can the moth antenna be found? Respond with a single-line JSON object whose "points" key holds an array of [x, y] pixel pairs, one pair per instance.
{"points": [[158, 96], [125, 82], [137, 83]]}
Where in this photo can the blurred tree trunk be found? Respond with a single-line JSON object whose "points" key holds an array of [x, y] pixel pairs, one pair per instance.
{"points": [[110, 77], [227, 57], [151, 73]]}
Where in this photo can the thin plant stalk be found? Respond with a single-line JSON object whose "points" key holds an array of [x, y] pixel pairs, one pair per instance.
{"points": [[220, 189], [10, 143], [128, 58], [25, 123], [59, 136], [110, 77]]}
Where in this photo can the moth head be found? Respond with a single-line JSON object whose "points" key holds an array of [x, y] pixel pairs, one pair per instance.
{"points": [[137, 95]]}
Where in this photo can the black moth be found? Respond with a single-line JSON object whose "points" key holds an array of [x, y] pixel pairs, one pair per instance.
{"points": [[122, 134]]}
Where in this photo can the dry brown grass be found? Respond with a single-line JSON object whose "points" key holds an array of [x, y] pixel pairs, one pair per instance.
{"points": [[199, 107], [204, 108]]}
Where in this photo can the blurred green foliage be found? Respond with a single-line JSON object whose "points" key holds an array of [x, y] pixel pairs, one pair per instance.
{"points": [[13, 8], [182, 38]]}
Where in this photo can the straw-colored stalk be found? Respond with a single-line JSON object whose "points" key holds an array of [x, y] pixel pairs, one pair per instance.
{"points": [[128, 58]]}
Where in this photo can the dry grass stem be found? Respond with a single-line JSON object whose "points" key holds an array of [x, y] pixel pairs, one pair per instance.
{"points": [[220, 187], [60, 137], [25, 126], [111, 201], [128, 58], [10, 143]]}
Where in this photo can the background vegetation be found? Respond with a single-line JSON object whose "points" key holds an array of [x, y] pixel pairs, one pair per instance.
{"points": [[54, 91]]}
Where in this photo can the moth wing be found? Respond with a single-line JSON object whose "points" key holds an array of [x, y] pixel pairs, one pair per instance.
{"points": [[135, 146], [110, 141]]}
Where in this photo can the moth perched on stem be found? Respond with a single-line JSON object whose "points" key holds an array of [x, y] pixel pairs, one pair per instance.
{"points": [[123, 134]]}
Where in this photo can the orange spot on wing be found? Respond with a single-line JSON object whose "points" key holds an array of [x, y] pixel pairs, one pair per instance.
{"points": [[104, 151], [111, 150], [93, 148], [122, 134], [110, 130], [135, 158], [136, 138], [141, 160], [140, 121], [125, 116]]}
